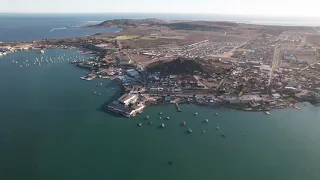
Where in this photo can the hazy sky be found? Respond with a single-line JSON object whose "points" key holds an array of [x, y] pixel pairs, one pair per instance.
{"points": [[258, 7]]}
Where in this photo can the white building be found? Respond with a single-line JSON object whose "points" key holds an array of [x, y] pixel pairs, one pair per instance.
{"points": [[128, 98]]}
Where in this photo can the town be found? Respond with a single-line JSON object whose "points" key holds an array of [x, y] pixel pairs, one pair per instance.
{"points": [[246, 67]]}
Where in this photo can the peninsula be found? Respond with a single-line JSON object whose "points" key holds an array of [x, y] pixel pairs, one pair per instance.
{"points": [[243, 66]]}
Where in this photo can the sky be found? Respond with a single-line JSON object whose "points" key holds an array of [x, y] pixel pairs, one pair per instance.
{"points": [[232, 7]]}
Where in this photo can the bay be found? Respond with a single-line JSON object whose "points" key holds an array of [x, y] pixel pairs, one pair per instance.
{"points": [[52, 126]]}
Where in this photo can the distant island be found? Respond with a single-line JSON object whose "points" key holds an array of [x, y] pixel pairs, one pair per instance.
{"points": [[243, 66]]}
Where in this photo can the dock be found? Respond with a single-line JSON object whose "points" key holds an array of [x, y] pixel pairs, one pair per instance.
{"points": [[178, 108]]}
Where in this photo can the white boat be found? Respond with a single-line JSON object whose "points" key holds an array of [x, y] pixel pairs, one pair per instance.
{"points": [[203, 131], [206, 120], [217, 114], [217, 127], [160, 113], [41, 51], [163, 125], [139, 124], [184, 123], [147, 117], [160, 117], [267, 112], [190, 130], [196, 113], [168, 117], [223, 135]]}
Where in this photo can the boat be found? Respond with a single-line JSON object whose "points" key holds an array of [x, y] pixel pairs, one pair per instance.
{"points": [[41, 51], [206, 120], [203, 131], [217, 114], [94, 92], [139, 124], [160, 117], [150, 123], [196, 113], [223, 135], [147, 117], [160, 113], [163, 125], [297, 107], [267, 112], [190, 130], [168, 117], [184, 123], [217, 127], [99, 94]]}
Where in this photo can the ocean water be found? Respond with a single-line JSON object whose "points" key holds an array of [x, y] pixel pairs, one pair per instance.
{"points": [[52, 126], [36, 27]]}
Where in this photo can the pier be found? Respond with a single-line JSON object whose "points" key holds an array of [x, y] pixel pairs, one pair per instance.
{"points": [[178, 108]]}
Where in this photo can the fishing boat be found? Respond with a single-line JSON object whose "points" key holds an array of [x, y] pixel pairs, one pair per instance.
{"points": [[163, 125], [196, 113], [190, 130], [206, 120], [168, 117]]}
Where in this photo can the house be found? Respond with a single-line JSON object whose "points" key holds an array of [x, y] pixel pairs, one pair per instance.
{"points": [[276, 96]]}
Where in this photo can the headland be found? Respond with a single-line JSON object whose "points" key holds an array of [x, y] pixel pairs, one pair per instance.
{"points": [[242, 66]]}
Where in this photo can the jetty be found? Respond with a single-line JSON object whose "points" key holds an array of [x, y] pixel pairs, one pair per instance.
{"points": [[178, 108]]}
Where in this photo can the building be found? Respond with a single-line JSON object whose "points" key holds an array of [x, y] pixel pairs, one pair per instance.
{"points": [[265, 68], [127, 99], [133, 73], [137, 90], [125, 110]]}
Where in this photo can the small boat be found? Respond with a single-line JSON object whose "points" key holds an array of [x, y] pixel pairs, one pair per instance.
{"points": [[160, 113], [139, 124], [217, 127], [223, 135], [206, 121], [94, 92], [41, 51], [99, 94], [196, 113], [190, 130], [160, 117], [168, 117], [217, 114], [150, 123], [147, 117], [203, 131], [267, 112], [297, 107], [184, 123], [163, 125]]}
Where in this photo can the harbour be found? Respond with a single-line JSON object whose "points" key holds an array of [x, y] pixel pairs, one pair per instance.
{"points": [[53, 125]]}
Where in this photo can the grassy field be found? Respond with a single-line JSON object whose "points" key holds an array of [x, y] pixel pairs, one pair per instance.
{"points": [[126, 37]]}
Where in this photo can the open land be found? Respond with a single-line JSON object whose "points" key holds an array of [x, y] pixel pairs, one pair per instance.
{"points": [[243, 66]]}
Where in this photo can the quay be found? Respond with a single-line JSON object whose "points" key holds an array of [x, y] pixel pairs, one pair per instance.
{"points": [[178, 108]]}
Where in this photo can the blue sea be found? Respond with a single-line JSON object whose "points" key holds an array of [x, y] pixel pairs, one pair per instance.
{"points": [[52, 125]]}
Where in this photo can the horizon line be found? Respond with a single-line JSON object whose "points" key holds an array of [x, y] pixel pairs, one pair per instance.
{"points": [[189, 13]]}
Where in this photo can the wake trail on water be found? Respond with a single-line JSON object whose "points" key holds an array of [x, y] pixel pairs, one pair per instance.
{"points": [[59, 28]]}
